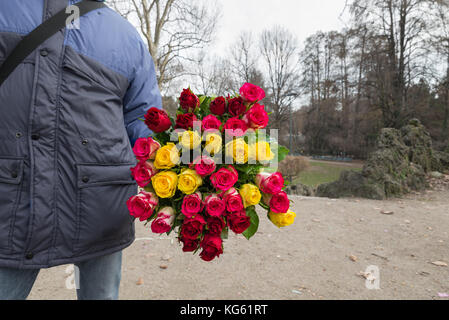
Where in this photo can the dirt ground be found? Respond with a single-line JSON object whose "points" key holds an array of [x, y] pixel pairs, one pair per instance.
{"points": [[320, 257]]}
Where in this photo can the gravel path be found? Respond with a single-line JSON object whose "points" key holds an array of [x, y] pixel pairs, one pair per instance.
{"points": [[320, 257]]}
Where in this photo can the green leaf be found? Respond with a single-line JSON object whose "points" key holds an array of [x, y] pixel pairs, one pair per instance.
{"points": [[282, 153], [225, 234], [251, 231]]}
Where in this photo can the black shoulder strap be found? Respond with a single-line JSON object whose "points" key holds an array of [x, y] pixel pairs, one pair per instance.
{"points": [[39, 35]]}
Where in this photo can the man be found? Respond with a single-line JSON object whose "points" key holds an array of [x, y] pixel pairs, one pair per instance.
{"points": [[69, 115]]}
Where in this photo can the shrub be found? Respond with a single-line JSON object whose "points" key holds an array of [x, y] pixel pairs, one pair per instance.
{"points": [[292, 166]]}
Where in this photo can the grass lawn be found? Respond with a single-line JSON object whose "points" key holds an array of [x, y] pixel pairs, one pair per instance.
{"points": [[324, 172]]}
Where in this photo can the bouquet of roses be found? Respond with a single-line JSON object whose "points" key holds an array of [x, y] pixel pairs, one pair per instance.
{"points": [[203, 173]]}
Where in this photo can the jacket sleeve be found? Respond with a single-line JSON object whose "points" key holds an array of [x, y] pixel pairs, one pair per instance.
{"points": [[143, 93]]}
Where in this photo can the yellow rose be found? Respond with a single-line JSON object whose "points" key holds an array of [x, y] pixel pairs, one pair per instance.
{"points": [[250, 194], [190, 140], [164, 184], [213, 143], [238, 150], [189, 181], [167, 157], [261, 151], [282, 219]]}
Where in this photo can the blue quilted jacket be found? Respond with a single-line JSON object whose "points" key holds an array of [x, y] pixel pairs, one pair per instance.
{"points": [[69, 116]]}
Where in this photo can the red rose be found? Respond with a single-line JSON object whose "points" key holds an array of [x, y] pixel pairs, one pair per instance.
{"points": [[212, 247], [218, 106], [235, 127], [271, 183], [185, 121], [164, 221], [279, 203], [192, 228], [257, 117], [190, 245], [142, 206], [192, 205], [157, 120], [252, 93], [146, 148], [215, 226], [236, 106], [215, 206], [239, 222], [211, 123], [204, 166], [234, 201], [225, 178], [143, 172], [189, 101]]}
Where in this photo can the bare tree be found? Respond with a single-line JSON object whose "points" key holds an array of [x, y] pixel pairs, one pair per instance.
{"points": [[171, 28], [280, 54], [213, 75]]}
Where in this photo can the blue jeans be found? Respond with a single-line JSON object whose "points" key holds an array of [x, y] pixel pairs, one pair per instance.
{"points": [[99, 279]]}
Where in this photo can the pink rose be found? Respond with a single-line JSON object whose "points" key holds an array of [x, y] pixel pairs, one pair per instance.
{"points": [[278, 203], [204, 166], [233, 199], [236, 127], [252, 93], [164, 221], [143, 172], [211, 123], [192, 205], [271, 183], [218, 106], [256, 117], [146, 148], [225, 178], [215, 206], [142, 205]]}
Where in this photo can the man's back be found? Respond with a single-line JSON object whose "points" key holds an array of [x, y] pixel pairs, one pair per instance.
{"points": [[68, 119]]}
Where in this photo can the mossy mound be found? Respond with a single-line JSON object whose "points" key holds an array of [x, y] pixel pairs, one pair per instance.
{"points": [[399, 165]]}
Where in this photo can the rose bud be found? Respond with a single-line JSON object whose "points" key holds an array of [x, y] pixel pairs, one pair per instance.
{"points": [[211, 122], [215, 206], [225, 178], [146, 148], [192, 205], [236, 106], [185, 121], [270, 183], [189, 245], [233, 199], [256, 117], [239, 222], [192, 228], [164, 221], [218, 106], [204, 166], [157, 120], [142, 205], [215, 226], [212, 247], [235, 127], [189, 101], [143, 172], [279, 203], [252, 93]]}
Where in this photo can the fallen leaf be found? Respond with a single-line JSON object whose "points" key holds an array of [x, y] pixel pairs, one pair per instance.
{"points": [[139, 282], [439, 263], [388, 213], [163, 267], [353, 258]]}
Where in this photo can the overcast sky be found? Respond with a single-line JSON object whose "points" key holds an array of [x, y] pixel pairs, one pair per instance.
{"points": [[302, 17]]}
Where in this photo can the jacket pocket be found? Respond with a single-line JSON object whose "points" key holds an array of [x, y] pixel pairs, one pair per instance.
{"points": [[102, 214], [11, 174]]}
